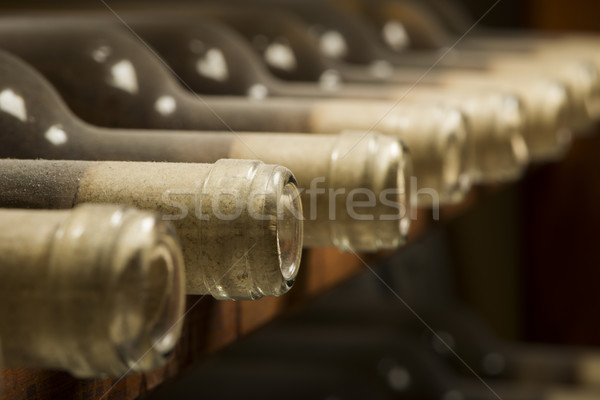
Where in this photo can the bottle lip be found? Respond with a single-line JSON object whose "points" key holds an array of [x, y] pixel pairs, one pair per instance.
{"points": [[582, 82], [405, 171], [438, 139], [153, 253], [166, 267], [250, 252], [549, 138], [286, 209], [290, 231], [498, 148], [513, 121], [592, 98], [375, 167], [454, 167], [124, 266]]}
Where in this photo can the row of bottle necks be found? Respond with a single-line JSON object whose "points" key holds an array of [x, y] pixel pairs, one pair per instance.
{"points": [[348, 169]]}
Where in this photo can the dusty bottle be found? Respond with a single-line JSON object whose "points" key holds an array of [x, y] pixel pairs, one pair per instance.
{"points": [[400, 25], [129, 77], [547, 123], [452, 15], [42, 126], [97, 290], [579, 76], [549, 115], [579, 72], [498, 124], [210, 205], [443, 22], [157, 101]]}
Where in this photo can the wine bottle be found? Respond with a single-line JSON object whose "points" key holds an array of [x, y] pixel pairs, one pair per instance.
{"points": [[334, 170], [547, 123], [209, 204], [454, 17], [580, 71], [550, 117], [401, 25], [498, 150], [97, 290], [580, 75], [452, 14], [158, 102]]}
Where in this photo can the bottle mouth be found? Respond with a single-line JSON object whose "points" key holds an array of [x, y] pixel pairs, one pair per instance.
{"points": [[512, 123], [451, 167], [163, 293], [554, 130], [289, 232], [591, 81], [405, 171], [500, 150], [454, 174], [149, 295]]}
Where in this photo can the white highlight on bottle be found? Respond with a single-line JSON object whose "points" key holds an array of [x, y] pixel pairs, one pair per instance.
{"points": [[395, 35], [56, 135], [258, 91], [213, 65], [280, 55], [165, 105], [13, 104], [123, 77], [333, 45]]}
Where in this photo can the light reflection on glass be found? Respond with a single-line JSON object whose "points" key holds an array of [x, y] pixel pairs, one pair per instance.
{"points": [[330, 80], [101, 53], [213, 65], [165, 105], [395, 35], [123, 76], [56, 135], [258, 91], [280, 55], [333, 45], [13, 104], [381, 69]]}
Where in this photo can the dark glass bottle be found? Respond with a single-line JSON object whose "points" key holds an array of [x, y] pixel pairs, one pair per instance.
{"points": [[547, 123], [158, 102], [36, 123], [579, 75], [497, 151]]}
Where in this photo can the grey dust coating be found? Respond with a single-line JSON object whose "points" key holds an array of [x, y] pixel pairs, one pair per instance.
{"points": [[97, 290], [547, 111], [37, 124], [237, 220]]}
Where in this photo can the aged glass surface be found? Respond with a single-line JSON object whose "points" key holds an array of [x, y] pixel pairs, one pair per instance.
{"points": [[97, 290], [377, 163], [226, 214]]}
